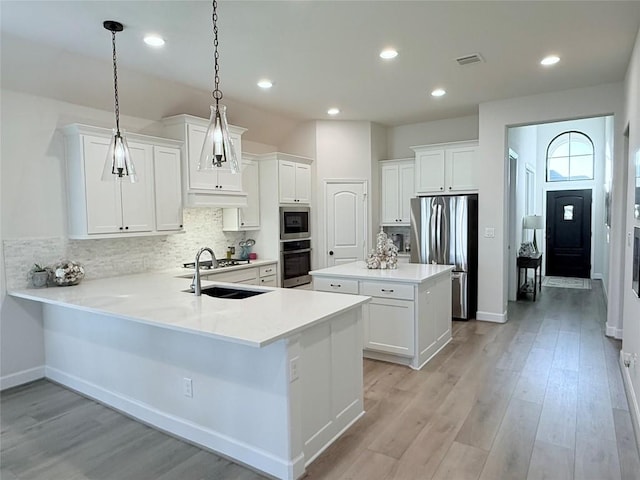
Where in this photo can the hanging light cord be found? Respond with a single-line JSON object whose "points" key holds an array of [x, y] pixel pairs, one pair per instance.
{"points": [[217, 93], [115, 82]]}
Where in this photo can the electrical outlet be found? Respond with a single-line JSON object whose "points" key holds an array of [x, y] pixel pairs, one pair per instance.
{"points": [[187, 387], [489, 232], [293, 369]]}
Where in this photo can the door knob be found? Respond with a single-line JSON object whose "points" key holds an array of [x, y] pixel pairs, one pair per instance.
{"points": [[330, 252]]}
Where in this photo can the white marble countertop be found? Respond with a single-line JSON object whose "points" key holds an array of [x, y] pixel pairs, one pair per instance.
{"points": [[406, 272], [159, 299]]}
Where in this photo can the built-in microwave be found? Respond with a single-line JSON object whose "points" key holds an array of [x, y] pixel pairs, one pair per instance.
{"points": [[294, 223]]}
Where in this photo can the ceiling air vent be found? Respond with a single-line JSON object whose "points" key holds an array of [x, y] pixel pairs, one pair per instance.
{"points": [[469, 59]]}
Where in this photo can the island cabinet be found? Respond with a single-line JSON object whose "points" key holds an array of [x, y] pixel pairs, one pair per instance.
{"points": [[215, 187], [106, 206], [397, 188], [409, 317], [445, 168]]}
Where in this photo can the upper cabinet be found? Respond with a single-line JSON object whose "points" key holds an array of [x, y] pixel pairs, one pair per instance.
{"points": [[445, 168], [246, 218], [397, 189], [116, 207], [217, 187], [294, 181]]}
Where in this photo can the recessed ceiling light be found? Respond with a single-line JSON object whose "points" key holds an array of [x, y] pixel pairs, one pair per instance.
{"points": [[265, 83], [550, 60], [333, 111], [154, 40], [438, 92], [388, 53]]}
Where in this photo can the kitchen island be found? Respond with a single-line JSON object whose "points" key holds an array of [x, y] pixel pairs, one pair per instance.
{"points": [[408, 319], [270, 380]]}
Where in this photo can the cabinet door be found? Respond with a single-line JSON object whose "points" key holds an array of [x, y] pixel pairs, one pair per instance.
{"points": [[430, 171], [270, 281], [460, 168], [137, 198], [228, 181], [104, 208], [389, 327], [198, 179], [168, 188], [406, 191], [250, 215], [303, 183], [287, 181], [390, 194]]}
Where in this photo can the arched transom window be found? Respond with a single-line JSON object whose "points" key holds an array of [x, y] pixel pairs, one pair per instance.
{"points": [[570, 158]]}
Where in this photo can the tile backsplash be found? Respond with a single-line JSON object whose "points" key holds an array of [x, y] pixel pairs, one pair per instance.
{"points": [[119, 256]]}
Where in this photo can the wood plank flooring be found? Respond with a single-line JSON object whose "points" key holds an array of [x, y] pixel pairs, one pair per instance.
{"points": [[540, 397]]}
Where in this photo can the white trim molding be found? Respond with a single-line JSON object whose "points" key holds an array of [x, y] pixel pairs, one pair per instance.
{"points": [[492, 317], [614, 332], [632, 398], [20, 378]]}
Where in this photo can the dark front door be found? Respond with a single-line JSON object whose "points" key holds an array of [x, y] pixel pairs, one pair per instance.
{"points": [[569, 233]]}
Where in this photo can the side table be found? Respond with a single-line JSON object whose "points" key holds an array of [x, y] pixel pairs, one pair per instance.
{"points": [[534, 262]]}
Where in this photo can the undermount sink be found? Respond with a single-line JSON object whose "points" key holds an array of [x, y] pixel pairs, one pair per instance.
{"points": [[229, 293]]}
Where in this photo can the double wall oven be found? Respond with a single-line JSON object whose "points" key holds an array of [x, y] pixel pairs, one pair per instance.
{"points": [[295, 246]]}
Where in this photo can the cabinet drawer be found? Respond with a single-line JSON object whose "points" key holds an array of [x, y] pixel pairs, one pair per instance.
{"points": [[387, 290], [339, 285], [268, 281], [267, 270], [240, 276]]}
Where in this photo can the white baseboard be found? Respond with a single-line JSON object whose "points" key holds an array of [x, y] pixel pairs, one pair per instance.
{"points": [[613, 332], [597, 276], [228, 447], [20, 378], [632, 398], [492, 317]]}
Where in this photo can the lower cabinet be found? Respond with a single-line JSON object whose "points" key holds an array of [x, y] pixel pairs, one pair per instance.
{"points": [[264, 275], [405, 323]]}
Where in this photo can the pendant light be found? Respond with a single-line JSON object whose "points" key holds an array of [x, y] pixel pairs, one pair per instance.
{"points": [[218, 147], [118, 161]]}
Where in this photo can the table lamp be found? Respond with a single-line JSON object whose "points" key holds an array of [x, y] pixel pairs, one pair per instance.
{"points": [[533, 222]]}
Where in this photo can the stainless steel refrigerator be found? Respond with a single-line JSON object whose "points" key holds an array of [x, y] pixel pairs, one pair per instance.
{"points": [[444, 230]]}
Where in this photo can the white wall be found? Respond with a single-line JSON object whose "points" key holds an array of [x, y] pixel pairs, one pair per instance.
{"points": [[495, 118], [343, 151], [522, 140], [631, 303], [399, 139]]}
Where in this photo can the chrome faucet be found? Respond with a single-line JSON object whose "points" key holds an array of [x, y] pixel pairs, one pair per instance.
{"points": [[196, 284]]}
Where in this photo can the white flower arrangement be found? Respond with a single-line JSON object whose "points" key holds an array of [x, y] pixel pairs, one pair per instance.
{"points": [[385, 255]]}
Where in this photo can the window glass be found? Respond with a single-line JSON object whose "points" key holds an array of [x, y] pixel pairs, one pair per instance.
{"points": [[570, 158], [568, 212]]}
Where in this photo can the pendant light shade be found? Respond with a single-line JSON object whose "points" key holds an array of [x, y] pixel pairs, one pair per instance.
{"points": [[218, 147], [118, 162]]}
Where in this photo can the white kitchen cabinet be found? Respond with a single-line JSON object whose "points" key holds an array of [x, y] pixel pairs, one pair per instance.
{"points": [[168, 188], [117, 207], [397, 188], [217, 187], [405, 322], [246, 218], [294, 181], [264, 275], [445, 168]]}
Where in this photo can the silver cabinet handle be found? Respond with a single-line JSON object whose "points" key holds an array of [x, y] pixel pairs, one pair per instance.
{"points": [[336, 285], [268, 270], [388, 291]]}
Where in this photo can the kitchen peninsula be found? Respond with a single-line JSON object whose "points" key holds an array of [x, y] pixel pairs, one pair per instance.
{"points": [[408, 319], [270, 380]]}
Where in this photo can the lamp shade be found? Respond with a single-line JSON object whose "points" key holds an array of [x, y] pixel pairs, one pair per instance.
{"points": [[532, 222]]}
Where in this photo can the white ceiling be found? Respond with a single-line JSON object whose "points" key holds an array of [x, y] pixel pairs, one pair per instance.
{"points": [[319, 53]]}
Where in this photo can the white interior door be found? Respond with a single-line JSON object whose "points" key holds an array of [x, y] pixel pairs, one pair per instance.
{"points": [[345, 222]]}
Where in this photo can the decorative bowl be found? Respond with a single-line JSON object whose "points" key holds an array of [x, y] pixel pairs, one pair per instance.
{"points": [[67, 273]]}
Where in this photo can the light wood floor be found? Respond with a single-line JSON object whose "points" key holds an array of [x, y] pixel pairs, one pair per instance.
{"points": [[540, 397]]}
